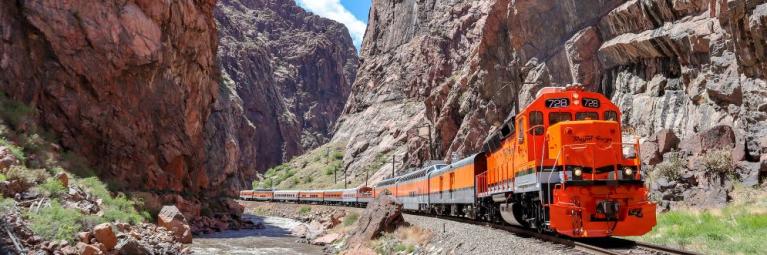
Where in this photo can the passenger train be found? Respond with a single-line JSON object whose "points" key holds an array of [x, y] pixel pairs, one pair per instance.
{"points": [[560, 165]]}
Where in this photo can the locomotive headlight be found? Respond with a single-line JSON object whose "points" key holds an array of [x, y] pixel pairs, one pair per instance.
{"points": [[578, 171], [628, 171]]}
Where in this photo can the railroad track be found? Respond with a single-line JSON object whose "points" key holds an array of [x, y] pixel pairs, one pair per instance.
{"points": [[597, 246]]}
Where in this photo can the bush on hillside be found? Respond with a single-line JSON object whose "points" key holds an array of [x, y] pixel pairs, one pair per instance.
{"points": [[17, 151], [29, 176], [351, 219], [670, 169], [55, 222], [719, 162], [52, 187], [118, 208]]}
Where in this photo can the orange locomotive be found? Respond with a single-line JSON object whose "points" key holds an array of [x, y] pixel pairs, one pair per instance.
{"points": [[561, 165]]}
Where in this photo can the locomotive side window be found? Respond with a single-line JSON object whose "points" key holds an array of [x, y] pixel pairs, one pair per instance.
{"points": [[521, 130], [591, 103], [557, 103], [536, 123], [611, 115], [587, 116], [556, 117]]}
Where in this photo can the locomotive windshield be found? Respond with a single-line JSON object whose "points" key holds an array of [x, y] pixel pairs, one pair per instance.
{"points": [[586, 116], [556, 117]]}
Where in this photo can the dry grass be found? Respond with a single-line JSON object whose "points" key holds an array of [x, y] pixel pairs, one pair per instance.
{"points": [[404, 240], [413, 235]]}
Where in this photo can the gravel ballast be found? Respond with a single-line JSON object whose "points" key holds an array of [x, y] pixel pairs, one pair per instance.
{"points": [[463, 238]]}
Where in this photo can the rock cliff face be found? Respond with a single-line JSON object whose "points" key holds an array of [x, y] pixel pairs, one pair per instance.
{"points": [[128, 84], [685, 65], [286, 76]]}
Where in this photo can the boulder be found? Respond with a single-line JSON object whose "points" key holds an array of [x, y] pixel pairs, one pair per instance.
{"points": [[7, 159], [715, 138], [301, 230], [650, 154], [68, 250], [382, 214], [748, 173], [87, 249], [63, 179], [84, 237], [666, 140], [130, 246], [326, 239], [104, 234], [172, 219], [337, 216]]}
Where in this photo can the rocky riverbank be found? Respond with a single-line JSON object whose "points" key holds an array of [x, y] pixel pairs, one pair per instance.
{"points": [[377, 231], [271, 237]]}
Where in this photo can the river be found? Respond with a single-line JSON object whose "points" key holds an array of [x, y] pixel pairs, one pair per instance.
{"points": [[273, 239]]}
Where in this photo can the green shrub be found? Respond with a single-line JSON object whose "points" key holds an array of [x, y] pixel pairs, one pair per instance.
{"points": [[55, 170], [330, 170], [3, 177], [27, 175], [304, 210], [119, 208], [56, 222], [14, 112], [308, 179], [91, 221], [337, 155], [6, 204], [404, 248], [52, 187], [33, 143], [719, 162], [671, 169], [17, 151], [351, 219]]}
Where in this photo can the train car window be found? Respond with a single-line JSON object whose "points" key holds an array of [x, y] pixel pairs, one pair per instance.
{"points": [[556, 117], [521, 130], [611, 115], [587, 116], [591, 103], [536, 123]]}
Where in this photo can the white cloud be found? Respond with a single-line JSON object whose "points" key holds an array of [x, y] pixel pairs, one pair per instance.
{"points": [[333, 9]]}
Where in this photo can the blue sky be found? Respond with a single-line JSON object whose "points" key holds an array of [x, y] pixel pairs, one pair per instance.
{"points": [[352, 13]]}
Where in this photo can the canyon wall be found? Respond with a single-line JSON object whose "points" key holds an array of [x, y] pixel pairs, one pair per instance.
{"points": [[126, 84], [450, 71], [286, 75], [136, 87]]}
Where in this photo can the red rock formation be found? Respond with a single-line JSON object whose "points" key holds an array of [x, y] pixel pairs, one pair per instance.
{"points": [[128, 84], [286, 76], [461, 66]]}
